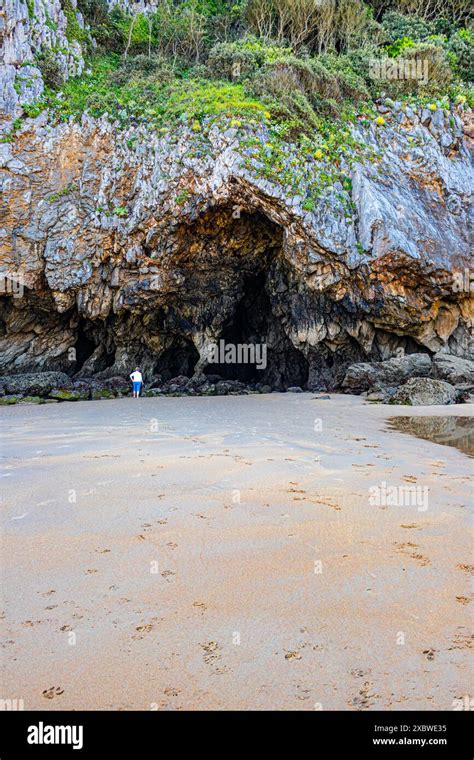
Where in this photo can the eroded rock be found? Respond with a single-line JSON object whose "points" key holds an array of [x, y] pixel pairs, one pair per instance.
{"points": [[393, 372], [453, 369], [424, 391], [35, 383]]}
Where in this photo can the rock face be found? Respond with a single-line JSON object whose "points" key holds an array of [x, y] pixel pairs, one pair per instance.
{"points": [[362, 377], [121, 247], [35, 383], [424, 392], [453, 369], [26, 29]]}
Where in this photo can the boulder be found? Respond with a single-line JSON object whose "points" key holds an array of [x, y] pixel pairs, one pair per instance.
{"points": [[62, 394], [84, 388], [35, 383], [453, 369], [118, 384], [102, 393], [223, 387], [424, 391], [363, 376], [181, 381], [465, 392]]}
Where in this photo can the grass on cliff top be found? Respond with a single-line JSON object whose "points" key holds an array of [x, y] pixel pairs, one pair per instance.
{"points": [[161, 96], [158, 94]]}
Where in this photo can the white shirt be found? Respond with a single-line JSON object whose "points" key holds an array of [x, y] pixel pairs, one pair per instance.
{"points": [[136, 377]]}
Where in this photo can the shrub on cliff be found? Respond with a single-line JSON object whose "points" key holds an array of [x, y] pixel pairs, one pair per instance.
{"points": [[397, 26], [311, 24], [434, 72], [50, 69], [461, 45], [311, 85], [242, 59]]}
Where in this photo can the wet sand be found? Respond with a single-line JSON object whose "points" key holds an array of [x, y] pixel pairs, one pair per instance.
{"points": [[222, 553]]}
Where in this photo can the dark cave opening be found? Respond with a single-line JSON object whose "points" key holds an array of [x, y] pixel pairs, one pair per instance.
{"points": [[253, 346], [85, 346], [179, 359]]}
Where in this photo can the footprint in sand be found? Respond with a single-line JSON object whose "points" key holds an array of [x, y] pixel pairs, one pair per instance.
{"points": [[326, 504], [466, 568], [302, 694], [430, 653], [292, 656], [53, 691], [463, 600], [406, 548], [141, 630], [365, 698], [463, 639], [170, 692], [211, 652]]}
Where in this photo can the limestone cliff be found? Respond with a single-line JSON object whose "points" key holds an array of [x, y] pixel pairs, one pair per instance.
{"points": [[138, 248]]}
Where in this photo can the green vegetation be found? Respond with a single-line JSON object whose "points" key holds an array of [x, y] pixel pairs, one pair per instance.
{"points": [[182, 197], [298, 60], [294, 72], [72, 187], [73, 30]]}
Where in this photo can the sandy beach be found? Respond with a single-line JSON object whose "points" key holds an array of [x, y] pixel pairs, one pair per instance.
{"points": [[223, 553]]}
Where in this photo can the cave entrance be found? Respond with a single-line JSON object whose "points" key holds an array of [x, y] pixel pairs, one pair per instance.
{"points": [[179, 359], [253, 346], [85, 347]]}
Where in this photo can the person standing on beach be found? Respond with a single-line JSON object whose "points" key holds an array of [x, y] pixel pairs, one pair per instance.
{"points": [[137, 380]]}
